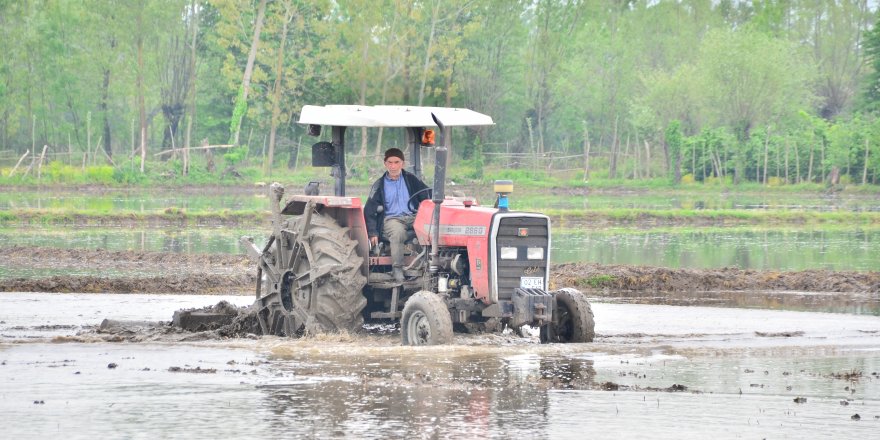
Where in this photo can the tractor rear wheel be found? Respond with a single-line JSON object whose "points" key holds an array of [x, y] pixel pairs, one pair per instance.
{"points": [[574, 320], [322, 284], [425, 320]]}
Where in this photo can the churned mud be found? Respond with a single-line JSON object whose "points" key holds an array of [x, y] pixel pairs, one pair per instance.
{"points": [[158, 272]]}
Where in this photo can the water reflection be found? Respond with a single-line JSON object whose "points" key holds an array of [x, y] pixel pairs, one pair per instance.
{"points": [[410, 396], [855, 304], [742, 248]]}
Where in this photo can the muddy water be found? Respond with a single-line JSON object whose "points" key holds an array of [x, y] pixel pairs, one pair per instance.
{"points": [[655, 370]]}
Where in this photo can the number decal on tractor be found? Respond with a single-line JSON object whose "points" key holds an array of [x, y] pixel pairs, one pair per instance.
{"points": [[468, 230]]}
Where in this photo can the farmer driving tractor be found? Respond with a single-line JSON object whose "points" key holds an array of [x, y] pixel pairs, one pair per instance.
{"points": [[391, 208]]}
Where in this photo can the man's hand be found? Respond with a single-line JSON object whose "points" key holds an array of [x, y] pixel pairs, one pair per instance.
{"points": [[374, 240]]}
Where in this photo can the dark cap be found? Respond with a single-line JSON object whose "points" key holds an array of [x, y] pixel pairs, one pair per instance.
{"points": [[394, 152]]}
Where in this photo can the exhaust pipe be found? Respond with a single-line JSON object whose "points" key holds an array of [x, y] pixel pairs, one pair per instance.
{"points": [[438, 194]]}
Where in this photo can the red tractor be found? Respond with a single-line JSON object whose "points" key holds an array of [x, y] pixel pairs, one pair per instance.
{"points": [[470, 267]]}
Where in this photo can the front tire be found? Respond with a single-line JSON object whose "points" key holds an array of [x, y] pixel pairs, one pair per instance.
{"points": [[573, 321], [425, 320]]}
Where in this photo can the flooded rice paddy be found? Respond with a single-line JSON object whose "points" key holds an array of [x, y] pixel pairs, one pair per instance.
{"points": [[654, 370], [677, 365], [855, 247], [744, 248], [254, 198]]}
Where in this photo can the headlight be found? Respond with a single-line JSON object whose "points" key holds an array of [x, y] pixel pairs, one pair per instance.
{"points": [[508, 253], [535, 253]]}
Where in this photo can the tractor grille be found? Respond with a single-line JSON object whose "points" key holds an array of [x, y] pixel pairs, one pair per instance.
{"points": [[521, 233]]}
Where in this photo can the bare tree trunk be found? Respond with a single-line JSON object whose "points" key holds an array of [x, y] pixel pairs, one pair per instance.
{"points": [[694, 159], [865, 170], [105, 96], [276, 94], [586, 152], [647, 159], [26, 153], [766, 154], [786, 160], [637, 167], [142, 111], [615, 145], [192, 86], [249, 68], [365, 52], [40, 163], [428, 52], [810, 166]]}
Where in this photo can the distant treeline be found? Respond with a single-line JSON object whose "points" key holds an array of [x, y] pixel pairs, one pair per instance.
{"points": [[772, 91]]}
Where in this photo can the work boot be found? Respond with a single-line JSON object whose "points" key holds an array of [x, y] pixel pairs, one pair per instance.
{"points": [[397, 273]]}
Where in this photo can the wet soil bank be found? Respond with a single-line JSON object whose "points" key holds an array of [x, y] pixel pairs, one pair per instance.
{"points": [[158, 272]]}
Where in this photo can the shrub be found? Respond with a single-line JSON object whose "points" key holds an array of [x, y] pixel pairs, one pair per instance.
{"points": [[775, 181], [100, 174], [235, 155], [59, 172]]}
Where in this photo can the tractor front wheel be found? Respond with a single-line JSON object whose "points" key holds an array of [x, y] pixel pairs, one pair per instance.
{"points": [[573, 321], [425, 320]]}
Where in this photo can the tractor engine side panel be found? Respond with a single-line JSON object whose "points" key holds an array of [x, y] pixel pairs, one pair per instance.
{"points": [[461, 226]]}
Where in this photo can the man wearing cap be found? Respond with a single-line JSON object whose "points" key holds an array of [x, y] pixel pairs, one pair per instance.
{"points": [[388, 208]]}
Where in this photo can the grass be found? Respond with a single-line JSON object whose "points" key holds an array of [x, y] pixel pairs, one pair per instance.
{"points": [[679, 216]]}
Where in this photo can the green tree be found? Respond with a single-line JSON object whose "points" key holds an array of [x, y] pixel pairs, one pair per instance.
{"points": [[675, 142], [870, 98], [751, 80]]}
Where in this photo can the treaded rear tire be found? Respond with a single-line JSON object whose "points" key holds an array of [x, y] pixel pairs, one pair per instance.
{"points": [[339, 297], [425, 320]]}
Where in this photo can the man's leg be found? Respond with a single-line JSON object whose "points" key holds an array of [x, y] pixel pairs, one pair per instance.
{"points": [[395, 230]]}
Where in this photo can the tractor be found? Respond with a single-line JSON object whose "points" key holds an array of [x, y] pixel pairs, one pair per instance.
{"points": [[469, 268]]}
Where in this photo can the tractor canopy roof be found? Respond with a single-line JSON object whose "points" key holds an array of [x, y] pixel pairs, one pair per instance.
{"points": [[389, 116]]}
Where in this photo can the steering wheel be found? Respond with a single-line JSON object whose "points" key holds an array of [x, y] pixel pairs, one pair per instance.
{"points": [[411, 202]]}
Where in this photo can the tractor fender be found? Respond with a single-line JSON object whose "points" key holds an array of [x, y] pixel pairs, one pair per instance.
{"points": [[348, 213]]}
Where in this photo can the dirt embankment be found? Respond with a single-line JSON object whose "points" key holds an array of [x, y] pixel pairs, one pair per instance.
{"points": [[660, 279], [126, 271], [156, 272]]}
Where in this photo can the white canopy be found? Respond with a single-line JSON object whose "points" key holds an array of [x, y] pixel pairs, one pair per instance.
{"points": [[389, 116]]}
